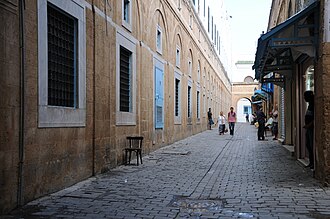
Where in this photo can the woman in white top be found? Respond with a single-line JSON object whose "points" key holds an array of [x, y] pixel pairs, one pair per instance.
{"points": [[275, 122], [221, 123]]}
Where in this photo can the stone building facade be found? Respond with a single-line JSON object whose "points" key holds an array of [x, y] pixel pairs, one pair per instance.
{"points": [[294, 55], [243, 90], [79, 76]]}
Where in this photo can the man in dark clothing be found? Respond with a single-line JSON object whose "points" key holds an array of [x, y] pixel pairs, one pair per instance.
{"points": [[261, 121], [210, 119], [309, 126]]}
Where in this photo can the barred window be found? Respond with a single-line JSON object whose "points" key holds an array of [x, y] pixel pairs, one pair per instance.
{"points": [[198, 105], [177, 87], [126, 11], [61, 37], [125, 79], [62, 58], [189, 101]]}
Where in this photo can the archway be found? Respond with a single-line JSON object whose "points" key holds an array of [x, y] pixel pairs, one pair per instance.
{"points": [[241, 98]]}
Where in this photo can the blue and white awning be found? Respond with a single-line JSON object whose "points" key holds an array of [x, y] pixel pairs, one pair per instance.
{"points": [[281, 46]]}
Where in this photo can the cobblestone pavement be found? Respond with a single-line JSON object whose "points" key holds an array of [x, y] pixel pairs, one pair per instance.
{"points": [[203, 176]]}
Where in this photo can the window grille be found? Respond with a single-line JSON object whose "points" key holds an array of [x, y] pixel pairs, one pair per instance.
{"points": [[198, 105], [126, 12], [189, 101], [125, 79], [177, 85], [62, 54]]}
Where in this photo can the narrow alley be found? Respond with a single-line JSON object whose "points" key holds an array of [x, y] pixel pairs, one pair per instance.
{"points": [[204, 176]]}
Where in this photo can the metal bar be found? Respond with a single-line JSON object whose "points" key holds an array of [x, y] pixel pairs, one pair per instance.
{"points": [[277, 67]]}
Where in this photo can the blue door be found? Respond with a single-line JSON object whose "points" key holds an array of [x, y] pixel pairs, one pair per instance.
{"points": [[159, 97]]}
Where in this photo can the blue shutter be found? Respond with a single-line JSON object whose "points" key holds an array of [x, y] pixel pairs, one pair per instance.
{"points": [[159, 98]]}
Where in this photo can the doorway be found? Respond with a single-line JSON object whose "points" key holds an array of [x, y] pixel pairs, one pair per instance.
{"points": [[243, 107], [307, 83]]}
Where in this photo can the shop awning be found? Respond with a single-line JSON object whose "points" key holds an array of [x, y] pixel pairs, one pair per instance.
{"points": [[268, 87], [281, 46], [259, 95], [257, 102]]}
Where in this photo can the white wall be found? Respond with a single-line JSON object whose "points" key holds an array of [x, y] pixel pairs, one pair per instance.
{"points": [[240, 70], [221, 19], [240, 109]]}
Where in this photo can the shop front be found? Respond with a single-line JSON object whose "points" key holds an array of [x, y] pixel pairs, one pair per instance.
{"points": [[286, 56], [259, 99]]}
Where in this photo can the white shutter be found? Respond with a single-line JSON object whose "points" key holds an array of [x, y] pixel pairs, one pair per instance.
{"points": [[282, 115]]}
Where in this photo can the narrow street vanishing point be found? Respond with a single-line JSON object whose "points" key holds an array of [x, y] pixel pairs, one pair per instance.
{"points": [[204, 176]]}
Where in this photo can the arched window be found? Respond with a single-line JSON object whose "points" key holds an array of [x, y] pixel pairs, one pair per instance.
{"points": [[178, 51], [190, 63], [248, 79], [159, 39]]}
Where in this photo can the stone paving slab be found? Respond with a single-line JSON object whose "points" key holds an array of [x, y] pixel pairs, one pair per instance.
{"points": [[203, 176]]}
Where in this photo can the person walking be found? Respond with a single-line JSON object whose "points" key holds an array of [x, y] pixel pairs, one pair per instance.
{"points": [[210, 120], [261, 122], [221, 123], [231, 120], [309, 126]]}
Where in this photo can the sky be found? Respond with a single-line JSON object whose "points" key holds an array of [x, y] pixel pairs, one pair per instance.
{"points": [[249, 19]]}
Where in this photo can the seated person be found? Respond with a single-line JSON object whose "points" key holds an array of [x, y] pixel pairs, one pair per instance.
{"points": [[269, 123], [252, 119]]}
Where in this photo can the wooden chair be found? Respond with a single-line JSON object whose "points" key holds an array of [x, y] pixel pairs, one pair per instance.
{"points": [[268, 129], [134, 145]]}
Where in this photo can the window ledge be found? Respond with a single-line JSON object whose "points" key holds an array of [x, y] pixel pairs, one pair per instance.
{"points": [[51, 116]]}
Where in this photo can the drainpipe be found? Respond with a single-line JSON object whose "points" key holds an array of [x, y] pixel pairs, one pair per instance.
{"points": [[94, 86], [21, 113]]}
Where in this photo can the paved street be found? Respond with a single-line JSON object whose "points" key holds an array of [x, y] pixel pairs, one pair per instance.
{"points": [[203, 176]]}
